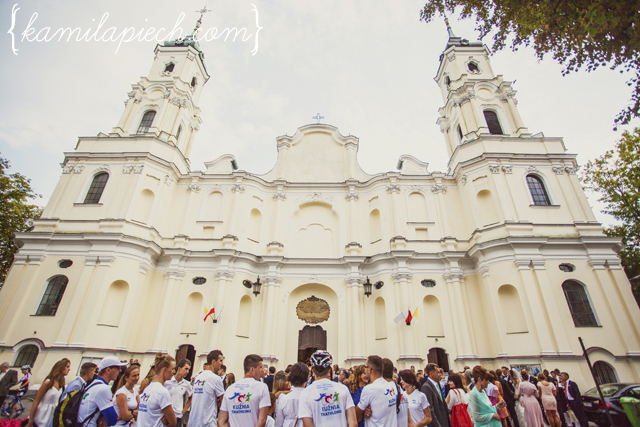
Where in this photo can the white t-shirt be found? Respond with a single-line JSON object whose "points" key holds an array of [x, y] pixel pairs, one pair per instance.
{"points": [[96, 396], [403, 415], [418, 402], [132, 403], [178, 390], [381, 396], [243, 401], [204, 408], [287, 408], [326, 402], [152, 401], [270, 422]]}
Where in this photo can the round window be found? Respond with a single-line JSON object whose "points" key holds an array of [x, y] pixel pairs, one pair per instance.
{"points": [[199, 280], [567, 268], [65, 263], [428, 283]]}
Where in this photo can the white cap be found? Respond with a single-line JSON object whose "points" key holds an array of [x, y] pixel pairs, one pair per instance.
{"points": [[108, 362]]}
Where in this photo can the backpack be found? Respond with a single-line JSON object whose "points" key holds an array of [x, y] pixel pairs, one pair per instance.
{"points": [[66, 413]]}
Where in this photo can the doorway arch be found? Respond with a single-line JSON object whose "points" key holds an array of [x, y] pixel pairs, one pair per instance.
{"points": [[310, 339], [440, 357], [187, 351]]}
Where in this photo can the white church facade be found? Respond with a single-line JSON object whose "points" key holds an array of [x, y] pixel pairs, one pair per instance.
{"points": [[501, 255]]}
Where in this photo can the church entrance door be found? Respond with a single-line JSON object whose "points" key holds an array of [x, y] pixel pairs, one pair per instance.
{"points": [[439, 357], [187, 351], [310, 339]]}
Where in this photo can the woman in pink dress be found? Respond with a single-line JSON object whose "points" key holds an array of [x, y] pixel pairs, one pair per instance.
{"points": [[548, 395], [529, 393]]}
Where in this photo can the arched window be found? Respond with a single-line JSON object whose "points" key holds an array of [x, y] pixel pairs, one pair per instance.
{"points": [[512, 310], [418, 208], [487, 208], [433, 316], [52, 296], [27, 355], [380, 319], [192, 311], [604, 373], [143, 207], [244, 317], [579, 304], [114, 303], [375, 226], [96, 188], [147, 121], [538, 192], [255, 223], [493, 123]]}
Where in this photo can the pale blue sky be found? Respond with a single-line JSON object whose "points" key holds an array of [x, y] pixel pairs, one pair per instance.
{"points": [[368, 67]]}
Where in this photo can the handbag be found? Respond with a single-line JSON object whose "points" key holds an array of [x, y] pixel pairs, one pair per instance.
{"points": [[459, 414]]}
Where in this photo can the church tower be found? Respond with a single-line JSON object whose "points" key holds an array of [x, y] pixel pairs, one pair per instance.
{"points": [[164, 104], [477, 102]]}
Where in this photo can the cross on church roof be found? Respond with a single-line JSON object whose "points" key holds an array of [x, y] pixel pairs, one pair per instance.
{"points": [[318, 117], [201, 12]]}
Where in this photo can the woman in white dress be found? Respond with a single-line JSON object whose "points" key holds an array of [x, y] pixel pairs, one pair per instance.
{"points": [[127, 399], [287, 404], [48, 395]]}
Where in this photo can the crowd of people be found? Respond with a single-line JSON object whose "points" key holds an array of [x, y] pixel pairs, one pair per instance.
{"points": [[318, 393]]}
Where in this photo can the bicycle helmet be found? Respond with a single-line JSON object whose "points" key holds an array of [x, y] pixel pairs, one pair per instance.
{"points": [[25, 368], [321, 359]]}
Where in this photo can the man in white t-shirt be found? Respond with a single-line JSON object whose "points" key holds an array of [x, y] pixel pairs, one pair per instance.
{"points": [[246, 403], [325, 403], [207, 393], [380, 395], [97, 397]]}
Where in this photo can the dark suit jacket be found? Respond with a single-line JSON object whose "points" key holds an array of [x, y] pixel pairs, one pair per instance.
{"points": [[268, 380], [574, 391], [508, 391], [9, 380], [439, 409]]}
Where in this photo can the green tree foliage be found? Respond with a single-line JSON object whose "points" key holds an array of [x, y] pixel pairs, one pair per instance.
{"points": [[16, 214], [616, 177], [577, 33]]}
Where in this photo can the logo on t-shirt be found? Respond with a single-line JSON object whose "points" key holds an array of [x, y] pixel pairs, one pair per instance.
{"points": [[240, 403], [403, 399], [329, 404]]}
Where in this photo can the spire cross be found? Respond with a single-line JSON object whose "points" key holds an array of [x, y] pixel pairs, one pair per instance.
{"points": [[318, 117], [201, 12]]}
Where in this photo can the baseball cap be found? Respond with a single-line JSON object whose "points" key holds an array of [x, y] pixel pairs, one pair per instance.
{"points": [[109, 362]]}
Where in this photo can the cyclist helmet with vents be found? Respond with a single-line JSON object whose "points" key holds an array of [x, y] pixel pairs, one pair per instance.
{"points": [[25, 368], [321, 359]]}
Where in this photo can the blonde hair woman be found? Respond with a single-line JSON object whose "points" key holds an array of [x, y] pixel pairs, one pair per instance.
{"points": [[152, 372], [127, 399], [155, 407], [48, 395]]}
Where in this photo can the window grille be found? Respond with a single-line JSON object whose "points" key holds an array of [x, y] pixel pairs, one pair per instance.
{"points": [[27, 355], [491, 117], [537, 190], [147, 121], [579, 304], [97, 187], [52, 296]]}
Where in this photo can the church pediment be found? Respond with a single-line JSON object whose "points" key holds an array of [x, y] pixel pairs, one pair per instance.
{"points": [[317, 153]]}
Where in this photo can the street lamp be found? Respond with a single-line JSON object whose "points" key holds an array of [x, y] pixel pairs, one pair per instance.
{"points": [[256, 286], [367, 286]]}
